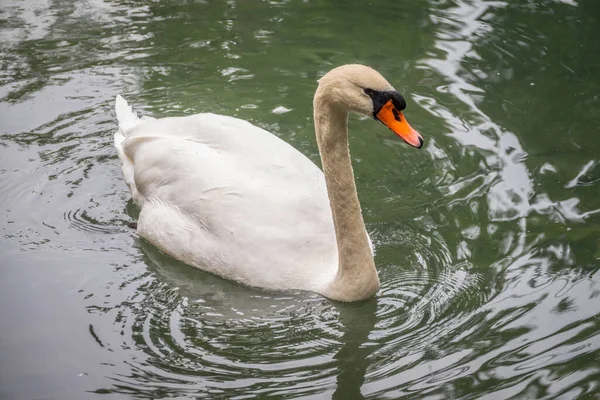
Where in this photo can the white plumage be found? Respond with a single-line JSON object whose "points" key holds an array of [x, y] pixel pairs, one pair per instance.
{"points": [[223, 195]]}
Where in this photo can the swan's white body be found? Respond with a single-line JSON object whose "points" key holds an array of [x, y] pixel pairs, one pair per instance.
{"points": [[223, 195]]}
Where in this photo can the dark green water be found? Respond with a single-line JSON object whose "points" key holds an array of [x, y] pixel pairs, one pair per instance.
{"points": [[487, 240]]}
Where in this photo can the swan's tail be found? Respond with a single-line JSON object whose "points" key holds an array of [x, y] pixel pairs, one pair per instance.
{"points": [[126, 117]]}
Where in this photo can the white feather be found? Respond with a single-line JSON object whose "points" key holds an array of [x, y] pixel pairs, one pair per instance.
{"points": [[223, 195]]}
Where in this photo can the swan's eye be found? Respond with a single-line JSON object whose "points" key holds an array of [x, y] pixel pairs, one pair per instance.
{"points": [[369, 91]]}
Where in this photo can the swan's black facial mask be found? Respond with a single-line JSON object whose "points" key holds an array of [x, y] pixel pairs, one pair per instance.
{"points": [[380, 97], [387, 109]]}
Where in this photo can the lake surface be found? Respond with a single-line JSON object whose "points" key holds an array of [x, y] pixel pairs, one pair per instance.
{"points": [[487, 240]]}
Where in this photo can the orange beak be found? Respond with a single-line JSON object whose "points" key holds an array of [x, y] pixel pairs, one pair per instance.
{"points": [[394, 119]]}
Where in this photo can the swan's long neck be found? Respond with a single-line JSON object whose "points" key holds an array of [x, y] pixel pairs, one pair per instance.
{"points": [[357, 277]]}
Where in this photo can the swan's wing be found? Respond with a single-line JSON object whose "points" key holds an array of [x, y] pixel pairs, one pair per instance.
{"points": [[207, 192]]}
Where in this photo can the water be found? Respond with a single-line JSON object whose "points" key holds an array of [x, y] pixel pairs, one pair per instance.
{"points": [[487, 240]]}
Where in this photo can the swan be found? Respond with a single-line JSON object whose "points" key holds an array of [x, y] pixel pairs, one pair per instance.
{"points": [[230, 198]]}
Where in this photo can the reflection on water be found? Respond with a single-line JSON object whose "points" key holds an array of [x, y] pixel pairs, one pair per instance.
{"points": [[487, 239]]}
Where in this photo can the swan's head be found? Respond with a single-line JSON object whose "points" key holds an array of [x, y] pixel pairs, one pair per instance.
{"points": [[362, 90]]}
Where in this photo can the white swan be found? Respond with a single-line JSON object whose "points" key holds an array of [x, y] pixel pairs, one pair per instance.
{"points": [[223, 195]]}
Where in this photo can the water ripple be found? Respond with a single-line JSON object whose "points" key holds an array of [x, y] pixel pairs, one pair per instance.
{"points": [[487, 239]]}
